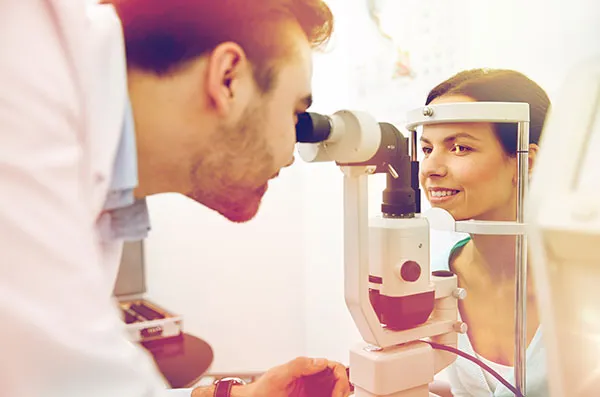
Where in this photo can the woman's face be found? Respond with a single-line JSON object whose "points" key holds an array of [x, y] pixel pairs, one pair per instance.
{"points": [[466, 171]]}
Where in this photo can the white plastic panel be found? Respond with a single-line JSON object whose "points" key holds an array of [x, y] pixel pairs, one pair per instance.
{"points": [[501, 112], [564, 216]]}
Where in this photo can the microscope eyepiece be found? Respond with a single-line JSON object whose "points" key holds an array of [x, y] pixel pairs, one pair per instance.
{"points": [[312, 128]]}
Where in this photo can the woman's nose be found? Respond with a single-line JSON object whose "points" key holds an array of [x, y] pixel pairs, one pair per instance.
{"points": [[433, 165]]}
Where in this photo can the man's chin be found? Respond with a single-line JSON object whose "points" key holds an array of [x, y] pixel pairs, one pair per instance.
{"points": [[238, 211], [243, 211], [241, 215]]}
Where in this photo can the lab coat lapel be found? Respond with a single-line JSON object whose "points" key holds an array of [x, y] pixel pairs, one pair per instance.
{"points": [[107, 97], [75, 33]]}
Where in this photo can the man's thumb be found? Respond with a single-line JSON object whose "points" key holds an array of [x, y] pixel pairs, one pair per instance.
{"points": [[303, 366]]}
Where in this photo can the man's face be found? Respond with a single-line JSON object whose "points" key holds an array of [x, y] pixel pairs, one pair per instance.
{"points": [[231, 173]]}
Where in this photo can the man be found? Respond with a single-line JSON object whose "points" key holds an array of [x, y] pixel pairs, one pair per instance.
{"points": [[102, 106]]}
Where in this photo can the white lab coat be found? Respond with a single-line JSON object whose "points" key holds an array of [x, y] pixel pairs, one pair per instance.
{"points": [[62, 99]]}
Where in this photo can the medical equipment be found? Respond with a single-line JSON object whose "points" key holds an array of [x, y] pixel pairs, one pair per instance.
{"points": [[393, 298], [145, 320], [563, 217]]}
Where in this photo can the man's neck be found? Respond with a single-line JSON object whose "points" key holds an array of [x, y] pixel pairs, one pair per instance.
{"points": [[167, 148], [152, 178], [157, 164], [153, 174]]}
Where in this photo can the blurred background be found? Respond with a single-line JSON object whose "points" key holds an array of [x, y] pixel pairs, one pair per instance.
{"points": [[264, 292]]}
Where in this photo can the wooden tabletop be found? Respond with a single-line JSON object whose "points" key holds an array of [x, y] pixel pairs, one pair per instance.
{"points": [[182, 360]]}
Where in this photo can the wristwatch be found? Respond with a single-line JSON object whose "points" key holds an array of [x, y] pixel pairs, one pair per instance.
{"points": [[223, 386]]}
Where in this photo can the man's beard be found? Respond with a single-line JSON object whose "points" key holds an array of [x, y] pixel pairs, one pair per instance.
{"points": [[231, 175]]}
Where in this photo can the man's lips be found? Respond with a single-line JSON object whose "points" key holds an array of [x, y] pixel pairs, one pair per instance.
{"points": [[263, 188]]}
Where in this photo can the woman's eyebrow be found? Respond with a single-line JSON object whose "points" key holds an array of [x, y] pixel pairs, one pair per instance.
{"points": [[453, 137]]}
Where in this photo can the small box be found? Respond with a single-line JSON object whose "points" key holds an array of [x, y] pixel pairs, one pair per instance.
{"points": [[145, 320]]}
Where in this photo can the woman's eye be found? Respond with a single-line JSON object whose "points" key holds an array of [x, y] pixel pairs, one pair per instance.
{"points": [[459, 149], [426, 150]]}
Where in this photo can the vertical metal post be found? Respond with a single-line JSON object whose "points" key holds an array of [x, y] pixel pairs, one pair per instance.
{"points": [[414, 170], [413, 145], [521, 259]]}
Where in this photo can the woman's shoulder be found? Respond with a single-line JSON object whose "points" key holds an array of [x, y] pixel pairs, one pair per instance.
{"points": [[444, 257]]}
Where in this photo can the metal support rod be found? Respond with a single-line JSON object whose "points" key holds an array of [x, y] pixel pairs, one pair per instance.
{"points": [[414, 170], [413, 145], [521, 259]]}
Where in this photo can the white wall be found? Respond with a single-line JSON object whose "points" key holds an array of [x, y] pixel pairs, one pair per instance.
{"points": [[240, 287], [541, 38], [217, 273]]}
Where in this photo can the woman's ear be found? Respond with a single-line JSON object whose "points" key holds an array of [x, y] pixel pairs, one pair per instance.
{"points": [[532, 156], [533, 151]]}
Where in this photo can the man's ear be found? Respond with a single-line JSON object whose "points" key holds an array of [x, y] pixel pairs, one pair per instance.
{"points": [[226, 64]]}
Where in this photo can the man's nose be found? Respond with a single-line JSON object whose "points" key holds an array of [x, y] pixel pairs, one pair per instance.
{"points": [[433, 165], [291, 162]]}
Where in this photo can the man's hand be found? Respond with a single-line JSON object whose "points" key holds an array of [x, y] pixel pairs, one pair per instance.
{"points": [[300, 378]]}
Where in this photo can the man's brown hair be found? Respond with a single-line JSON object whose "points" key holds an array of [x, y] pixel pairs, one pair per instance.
{"points": [[163, 35]]}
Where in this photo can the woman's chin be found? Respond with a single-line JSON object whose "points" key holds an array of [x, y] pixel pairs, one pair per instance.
{"points": [[457, 215]]}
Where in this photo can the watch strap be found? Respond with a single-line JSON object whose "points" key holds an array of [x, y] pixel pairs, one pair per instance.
{"points": [[223, 386]]}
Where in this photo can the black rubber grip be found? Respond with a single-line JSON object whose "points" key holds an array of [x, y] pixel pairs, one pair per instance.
{"points": [[312, 128]]}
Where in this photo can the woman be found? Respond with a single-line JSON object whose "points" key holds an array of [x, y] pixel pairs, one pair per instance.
{"points": [[470, 170]]}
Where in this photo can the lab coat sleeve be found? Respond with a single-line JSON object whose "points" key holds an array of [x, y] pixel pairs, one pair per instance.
{"points": [[60, 335]]}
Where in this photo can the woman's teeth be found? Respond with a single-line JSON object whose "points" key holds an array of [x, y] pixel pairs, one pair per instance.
{"points": [[443, 193]]}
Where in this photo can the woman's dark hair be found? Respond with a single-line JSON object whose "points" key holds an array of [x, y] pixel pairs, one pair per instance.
{"points": [[500, 85]]}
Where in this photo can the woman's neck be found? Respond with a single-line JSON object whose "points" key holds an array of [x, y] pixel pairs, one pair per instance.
{"points": [[494, 256], [491, 267]]}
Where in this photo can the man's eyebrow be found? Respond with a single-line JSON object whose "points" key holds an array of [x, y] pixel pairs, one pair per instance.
{"points": [[453, 137]]}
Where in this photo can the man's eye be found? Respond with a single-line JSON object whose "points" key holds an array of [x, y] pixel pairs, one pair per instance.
{"points": [[426, 150]]}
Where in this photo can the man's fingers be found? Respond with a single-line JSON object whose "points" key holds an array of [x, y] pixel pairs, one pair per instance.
{"points": [[337, 378], [295, 369], [303, 366], [342, 384]]}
